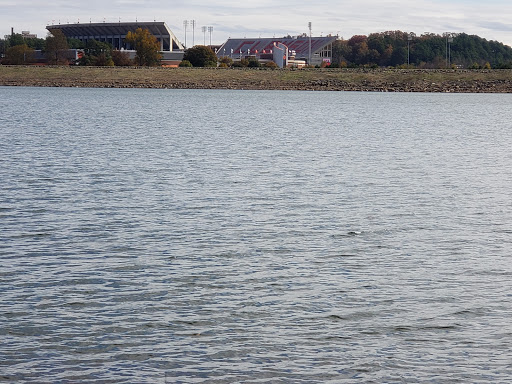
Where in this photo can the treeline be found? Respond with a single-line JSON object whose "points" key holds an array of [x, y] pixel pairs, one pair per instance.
{"points": [[19, 50], [429, 50], [384, 49]]}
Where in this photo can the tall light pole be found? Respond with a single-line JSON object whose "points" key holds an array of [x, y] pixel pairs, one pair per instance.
{"points": [[309, 57], [450, 41], [409, 38], [185, 25], [446, 34], [193, 23], [203, 29], [210, 30]]}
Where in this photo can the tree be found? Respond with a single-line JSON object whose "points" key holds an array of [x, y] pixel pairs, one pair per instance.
{"points": [[76, 44], [146, 45], [3, 48], [56, 47], [201, 56], [97, 53], [254, 63], [228, 61], [19, 55], [16, 39], [121, 59]]}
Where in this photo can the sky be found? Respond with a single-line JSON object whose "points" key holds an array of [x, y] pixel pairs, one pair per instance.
{"points": [[490, 19]]}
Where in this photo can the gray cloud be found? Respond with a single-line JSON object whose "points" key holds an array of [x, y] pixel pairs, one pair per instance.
{"points": [[266, 18]]}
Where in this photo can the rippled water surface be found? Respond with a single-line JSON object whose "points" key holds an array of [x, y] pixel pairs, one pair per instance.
{"points": [[167, 236]]}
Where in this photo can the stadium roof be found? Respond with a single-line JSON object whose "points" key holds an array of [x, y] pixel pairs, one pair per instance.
{"points": [[111, 31], [298, 44]]}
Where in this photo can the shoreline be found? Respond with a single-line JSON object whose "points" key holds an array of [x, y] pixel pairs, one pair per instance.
{"points": [[365, 80]]}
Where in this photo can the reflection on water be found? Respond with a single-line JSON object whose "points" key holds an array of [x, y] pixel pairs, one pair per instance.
{"points": [[245, 236]]}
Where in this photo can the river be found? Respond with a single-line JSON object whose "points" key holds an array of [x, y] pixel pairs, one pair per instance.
{"points": [[214, 236]]}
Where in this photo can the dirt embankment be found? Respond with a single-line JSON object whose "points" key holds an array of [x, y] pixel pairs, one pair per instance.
{"points": [[379, 80]]}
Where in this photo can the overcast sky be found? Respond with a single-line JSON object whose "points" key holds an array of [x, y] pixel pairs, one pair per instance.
{"points": [[490, 19]]}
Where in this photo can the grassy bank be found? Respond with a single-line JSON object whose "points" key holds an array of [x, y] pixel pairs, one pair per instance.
{"points": [[382, 80]]}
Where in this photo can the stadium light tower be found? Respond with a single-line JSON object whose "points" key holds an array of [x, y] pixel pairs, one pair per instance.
{"points": [[193, 23], [185, 25], [309, 57], [449, 40], [203, 29], [210, 30]]}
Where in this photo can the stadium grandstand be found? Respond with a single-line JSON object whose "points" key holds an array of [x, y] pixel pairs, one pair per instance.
{"points": [[297, 48], [115, 33]]}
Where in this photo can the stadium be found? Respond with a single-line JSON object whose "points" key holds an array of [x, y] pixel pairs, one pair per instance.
{"points": [[286, 51], [291, 51]]}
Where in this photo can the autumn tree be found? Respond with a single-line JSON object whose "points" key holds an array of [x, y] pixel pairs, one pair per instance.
{"points": [[121, 59], [56, 47], [226, 61], [19, 55], [146, 46], [201, 56]]}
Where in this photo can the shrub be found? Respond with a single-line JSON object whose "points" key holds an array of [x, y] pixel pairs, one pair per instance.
{"points": [[254, 63], [228, 61], [185, 64], [121, 59]]}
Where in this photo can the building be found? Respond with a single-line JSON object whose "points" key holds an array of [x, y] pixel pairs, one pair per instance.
{"points": [[298, 49], [115, 33]]}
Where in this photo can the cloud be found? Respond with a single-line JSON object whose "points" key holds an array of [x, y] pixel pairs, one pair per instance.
{"points": [[234, 18]]}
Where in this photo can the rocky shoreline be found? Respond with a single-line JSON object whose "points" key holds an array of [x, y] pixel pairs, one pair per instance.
{"points": [[366, 80]]}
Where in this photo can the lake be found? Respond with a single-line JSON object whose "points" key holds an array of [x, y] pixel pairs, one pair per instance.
{"points": [[214, 236]]}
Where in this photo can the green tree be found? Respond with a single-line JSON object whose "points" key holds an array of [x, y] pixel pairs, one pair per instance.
{"points": [[3, 48], [56, 47], [146, 45], [16, 39], [97, 53], [201, 56], [341, 52], [185, 64], [76, 44], [19, 55], [254, 63]]}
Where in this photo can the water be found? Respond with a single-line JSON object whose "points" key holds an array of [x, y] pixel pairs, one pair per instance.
{"points": [[175, 236]]}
